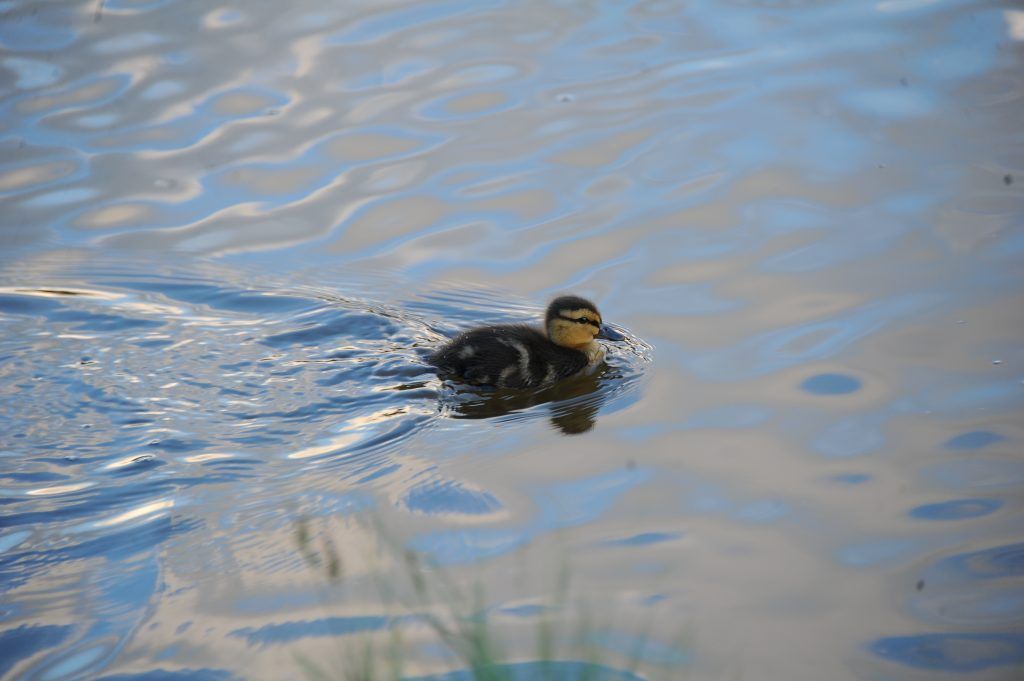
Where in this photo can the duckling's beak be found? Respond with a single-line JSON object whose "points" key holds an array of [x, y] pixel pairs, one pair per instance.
{"points": [[608, 333]]}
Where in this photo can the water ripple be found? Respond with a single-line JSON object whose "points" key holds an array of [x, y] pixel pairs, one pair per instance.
{"points": [[232, 234]]}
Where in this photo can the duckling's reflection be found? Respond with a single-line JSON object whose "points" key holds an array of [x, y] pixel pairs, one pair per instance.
{"points": [[573, 402]]}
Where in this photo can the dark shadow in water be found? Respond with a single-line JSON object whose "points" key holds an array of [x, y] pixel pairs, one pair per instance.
{"points": [[573, 402]]}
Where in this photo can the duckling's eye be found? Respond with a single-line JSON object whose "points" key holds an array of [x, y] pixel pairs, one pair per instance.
{"points": [[580, 320]]}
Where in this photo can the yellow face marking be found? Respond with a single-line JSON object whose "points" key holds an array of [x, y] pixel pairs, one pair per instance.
{"points": [[570, 333]]}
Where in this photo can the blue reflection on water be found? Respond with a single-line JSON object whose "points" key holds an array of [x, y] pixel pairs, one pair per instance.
{"points": [[403, 18], [558, 506], [645, 539], [12, 539], [957, 509], [975, 439], [999, 562], [329, 626], [641, 648], [831, 384], [32, 73], [977, 474], [767, 511], [960, 652], [528, 610], [816, 341], [77, 663], [24, 641], [879, 551], [175, 675], [47, 27], [851, 436], [852, 478], [450, 497]]}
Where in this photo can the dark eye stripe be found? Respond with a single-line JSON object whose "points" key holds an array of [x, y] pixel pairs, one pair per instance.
{"points": [[584, 320]]}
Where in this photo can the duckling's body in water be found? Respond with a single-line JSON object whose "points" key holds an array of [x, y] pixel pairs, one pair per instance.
{"points": [[519, 356]]}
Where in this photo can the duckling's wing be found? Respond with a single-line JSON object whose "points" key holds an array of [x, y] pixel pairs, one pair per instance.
{"points": [[507, 356], [485, 355]]}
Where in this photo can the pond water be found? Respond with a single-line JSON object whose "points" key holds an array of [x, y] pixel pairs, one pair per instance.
{"points": [[232, 233]]}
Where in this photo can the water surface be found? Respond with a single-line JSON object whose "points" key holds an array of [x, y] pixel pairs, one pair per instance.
{"points": [[232, 233]]}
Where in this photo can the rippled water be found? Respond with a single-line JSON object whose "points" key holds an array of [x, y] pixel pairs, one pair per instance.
{"points": [[233, 233]]}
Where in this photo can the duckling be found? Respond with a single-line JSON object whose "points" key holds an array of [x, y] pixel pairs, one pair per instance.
{"points": [[519, 356]]}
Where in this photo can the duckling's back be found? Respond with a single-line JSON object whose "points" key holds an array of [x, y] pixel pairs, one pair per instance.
{"points": [[507, 356]]}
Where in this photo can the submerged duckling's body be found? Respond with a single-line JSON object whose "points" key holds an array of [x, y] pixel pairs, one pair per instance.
{"points": [[518, 356]]}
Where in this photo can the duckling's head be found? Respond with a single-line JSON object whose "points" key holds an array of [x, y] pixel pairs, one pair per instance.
{"points": [[574, 322]]}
